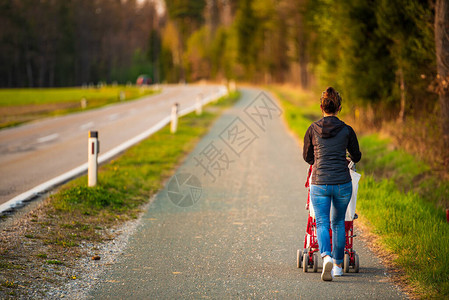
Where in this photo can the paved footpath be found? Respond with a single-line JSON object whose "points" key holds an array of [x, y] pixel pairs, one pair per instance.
{"points": [[236, 236]]}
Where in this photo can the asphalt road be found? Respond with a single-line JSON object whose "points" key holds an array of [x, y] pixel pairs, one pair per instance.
{"points": [[37, 152], [238, 236]]}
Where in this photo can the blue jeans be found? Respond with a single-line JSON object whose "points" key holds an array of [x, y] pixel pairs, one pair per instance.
{"points": [[322, 196]]}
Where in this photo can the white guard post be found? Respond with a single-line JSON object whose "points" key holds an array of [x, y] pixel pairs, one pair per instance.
{"points": [[174, 118], [92, 160], [232, 86], [83, 103], [199, 104]]}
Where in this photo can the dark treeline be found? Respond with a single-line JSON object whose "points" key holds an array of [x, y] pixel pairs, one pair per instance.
{"points": [[388, 57], [72, 42]]}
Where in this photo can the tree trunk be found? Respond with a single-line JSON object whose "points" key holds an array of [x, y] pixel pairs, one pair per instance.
{"points": [[402, 87], [212, 17], [302, 51], [442, 57], [51, 76], [42, 71], [29, 72], [303, 62]]}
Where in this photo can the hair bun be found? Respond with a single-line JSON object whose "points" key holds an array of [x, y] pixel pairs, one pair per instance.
{"points": [[330, 92], [330, 100]]}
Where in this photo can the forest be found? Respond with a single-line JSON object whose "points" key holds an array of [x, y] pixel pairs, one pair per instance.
{"points": [[389, 59]]}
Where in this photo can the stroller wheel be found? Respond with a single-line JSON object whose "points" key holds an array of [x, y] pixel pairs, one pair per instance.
{"points": [[305, 262], [356, 263], [346, 262], [315, 262], [299, 258]]}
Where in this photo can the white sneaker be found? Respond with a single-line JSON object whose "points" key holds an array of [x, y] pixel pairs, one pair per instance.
{"points": [[326, 275], [337, 271]]}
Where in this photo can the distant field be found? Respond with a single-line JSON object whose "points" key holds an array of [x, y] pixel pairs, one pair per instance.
{"points": [[22, 105]]}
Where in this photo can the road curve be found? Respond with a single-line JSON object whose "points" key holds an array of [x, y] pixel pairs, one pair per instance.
{"points": [[40, 151]]}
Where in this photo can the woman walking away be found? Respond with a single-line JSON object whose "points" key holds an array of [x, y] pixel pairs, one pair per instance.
{"points": [[325, 145]]}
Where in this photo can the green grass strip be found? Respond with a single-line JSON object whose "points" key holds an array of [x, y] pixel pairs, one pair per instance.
{"points": [[410, 224], [408, 172], [36, 96], [412, 228]]}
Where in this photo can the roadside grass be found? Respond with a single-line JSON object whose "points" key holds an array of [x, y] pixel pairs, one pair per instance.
{"points": [[23, 105], [398, 199], [412, 228], [59, 232], [406, 171]]}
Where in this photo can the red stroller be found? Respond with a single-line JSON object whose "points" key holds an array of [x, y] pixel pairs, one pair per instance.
{"points": [[309, 256]]}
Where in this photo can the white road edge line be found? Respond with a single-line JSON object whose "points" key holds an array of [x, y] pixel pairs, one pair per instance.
{"points": [[48, 138], [19, 199], [113, 116], [87, 125]]}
